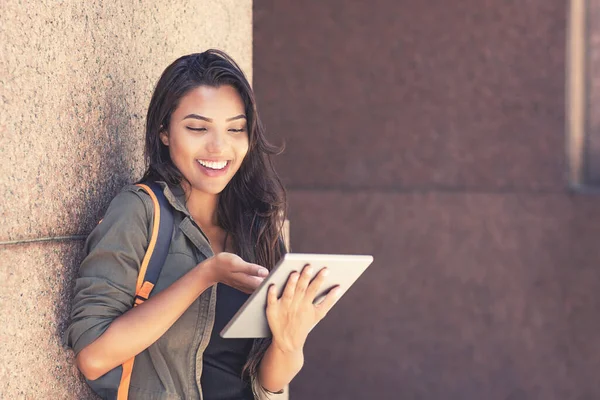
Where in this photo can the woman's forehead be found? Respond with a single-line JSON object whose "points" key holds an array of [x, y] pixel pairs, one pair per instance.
{"points": [[222, 102]]}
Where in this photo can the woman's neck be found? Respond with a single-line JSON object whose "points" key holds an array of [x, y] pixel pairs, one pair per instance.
{"points": [[202, 206]]}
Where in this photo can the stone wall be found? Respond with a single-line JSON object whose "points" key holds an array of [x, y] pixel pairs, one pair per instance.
{"points": [[75, 81]]}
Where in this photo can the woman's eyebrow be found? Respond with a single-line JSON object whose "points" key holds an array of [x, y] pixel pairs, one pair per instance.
{"points": [[200, 117], [196, 116], [241, 116]]}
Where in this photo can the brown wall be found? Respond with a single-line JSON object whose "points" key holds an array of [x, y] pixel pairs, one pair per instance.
{"points": [[431, 135]]}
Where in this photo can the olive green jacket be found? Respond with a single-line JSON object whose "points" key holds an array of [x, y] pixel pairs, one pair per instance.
{"points": [[105, 288]]}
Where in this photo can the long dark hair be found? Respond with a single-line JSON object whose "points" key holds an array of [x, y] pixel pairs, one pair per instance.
{"points": [[252, 207]]}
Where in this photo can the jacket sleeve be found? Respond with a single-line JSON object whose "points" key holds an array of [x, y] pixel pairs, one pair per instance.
{"points": [[105, 287]]}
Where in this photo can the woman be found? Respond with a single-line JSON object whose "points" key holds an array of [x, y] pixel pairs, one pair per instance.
{"points": [[205, 146]]}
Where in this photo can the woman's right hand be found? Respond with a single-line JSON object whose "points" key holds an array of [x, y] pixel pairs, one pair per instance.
{"points": [[233, 271]]}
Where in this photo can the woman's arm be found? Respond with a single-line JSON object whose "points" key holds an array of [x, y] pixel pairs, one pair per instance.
{"points": [[291, 318], [135, 330], [278, 367]]}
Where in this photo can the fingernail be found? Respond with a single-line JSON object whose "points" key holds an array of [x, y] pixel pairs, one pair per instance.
{"points": [[308, 270], [263, 272], [325, 272]]}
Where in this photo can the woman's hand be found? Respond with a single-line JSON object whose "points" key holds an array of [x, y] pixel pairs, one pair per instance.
{"points": [[294, 315], [233, 271]]}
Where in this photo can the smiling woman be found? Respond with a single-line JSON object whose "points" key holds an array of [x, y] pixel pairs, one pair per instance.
{"points": [[207, 139], [206, 149]]}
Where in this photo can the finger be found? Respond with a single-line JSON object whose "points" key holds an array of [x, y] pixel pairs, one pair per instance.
{"points": [[290, 288], [329, 301], [237, 264], [272, 296], [260, 271], [247, 283], [316, 284], [251, 269], [303, 281]]}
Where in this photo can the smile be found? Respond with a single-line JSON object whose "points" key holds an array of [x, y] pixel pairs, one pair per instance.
{"points": [[216, 165]]}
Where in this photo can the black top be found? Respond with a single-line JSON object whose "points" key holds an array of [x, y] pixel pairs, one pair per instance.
{"points": [[224, 359]]}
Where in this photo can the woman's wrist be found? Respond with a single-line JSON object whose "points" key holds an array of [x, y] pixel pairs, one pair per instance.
{"points": [[206, 272], [288, 349], [294, 356]]}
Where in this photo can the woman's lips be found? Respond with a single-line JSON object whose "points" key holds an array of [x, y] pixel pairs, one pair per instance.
{"points": [[213, 168]]}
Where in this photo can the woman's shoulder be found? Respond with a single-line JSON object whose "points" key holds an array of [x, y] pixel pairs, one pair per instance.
{"points": [[131, 198], [131, 205], [128, 215]]}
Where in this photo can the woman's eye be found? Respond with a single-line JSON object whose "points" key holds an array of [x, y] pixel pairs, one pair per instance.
{"points": [[237, 130], [196, 129]]}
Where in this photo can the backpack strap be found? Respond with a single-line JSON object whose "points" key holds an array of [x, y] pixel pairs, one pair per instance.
{"points": [[160, 240], [154, 259]]}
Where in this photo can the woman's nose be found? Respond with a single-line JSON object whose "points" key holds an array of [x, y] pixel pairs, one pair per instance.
{"points": [[216, 143]]}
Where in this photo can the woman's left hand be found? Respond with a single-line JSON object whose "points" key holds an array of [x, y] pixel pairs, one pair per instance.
{"points": [[294, 315]]}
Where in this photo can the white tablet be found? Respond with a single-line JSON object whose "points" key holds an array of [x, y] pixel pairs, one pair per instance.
{"points": [[251, 320]]}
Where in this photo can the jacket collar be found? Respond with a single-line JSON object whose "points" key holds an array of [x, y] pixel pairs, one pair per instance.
{"points": [[175, 196]]}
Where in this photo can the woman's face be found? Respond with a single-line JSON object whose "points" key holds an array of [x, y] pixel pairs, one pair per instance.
{"points": [[208, 137]]}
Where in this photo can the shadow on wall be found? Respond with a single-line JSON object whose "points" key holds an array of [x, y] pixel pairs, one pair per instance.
{"points": [[111, 138]]}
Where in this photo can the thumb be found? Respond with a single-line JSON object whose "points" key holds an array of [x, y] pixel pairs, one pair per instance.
{"points": [[256, 270]]}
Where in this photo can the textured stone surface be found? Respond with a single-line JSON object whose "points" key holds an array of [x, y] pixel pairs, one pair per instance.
{"points": [[471, 296], [75, 82], [36, 283], [405, 94]]}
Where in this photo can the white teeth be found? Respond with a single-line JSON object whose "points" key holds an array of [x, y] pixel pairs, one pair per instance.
{"points": [[213, 164]]}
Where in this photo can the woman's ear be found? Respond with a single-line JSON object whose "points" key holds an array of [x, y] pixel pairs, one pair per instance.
{"points": [[164, 136]]}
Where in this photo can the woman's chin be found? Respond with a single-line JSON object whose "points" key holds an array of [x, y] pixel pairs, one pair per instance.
{"points": [[211, 189]]}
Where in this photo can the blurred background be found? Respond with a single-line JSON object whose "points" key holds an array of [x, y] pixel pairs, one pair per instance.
{"points": [[456, 141], [435, 135]]}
